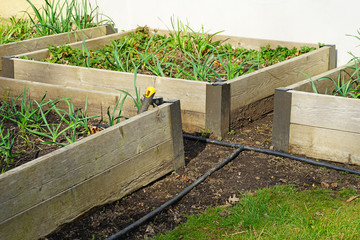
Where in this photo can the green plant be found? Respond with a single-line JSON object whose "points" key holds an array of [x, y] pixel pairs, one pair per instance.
{"points": [[26, 115], [58, 16], [346, 85], [15, 29], [6, 148], [113, 117], [137, 98], [281, 212]]}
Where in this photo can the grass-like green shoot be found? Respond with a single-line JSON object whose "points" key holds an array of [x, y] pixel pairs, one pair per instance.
{"points": [[281, 212]]}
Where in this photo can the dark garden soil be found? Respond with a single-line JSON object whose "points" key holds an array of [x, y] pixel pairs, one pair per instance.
{"points": [[247, 172]]}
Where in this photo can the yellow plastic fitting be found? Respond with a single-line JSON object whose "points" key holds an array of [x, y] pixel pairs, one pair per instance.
{"points": [[150, 91]]}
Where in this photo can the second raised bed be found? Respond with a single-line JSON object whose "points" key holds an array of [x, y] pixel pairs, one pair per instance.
{"points": [[206, 107]]}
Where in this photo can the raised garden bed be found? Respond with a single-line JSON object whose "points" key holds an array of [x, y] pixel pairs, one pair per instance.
{"points": [[317, 125], [30, 45], [206, 107], [39, 196]]}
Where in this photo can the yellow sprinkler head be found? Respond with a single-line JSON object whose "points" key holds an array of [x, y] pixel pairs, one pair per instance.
{"points": [[150, 91]]}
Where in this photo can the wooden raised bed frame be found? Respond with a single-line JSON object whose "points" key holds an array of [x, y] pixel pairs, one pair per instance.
{"points": [[34, 44], [43, 194], [205, 106], [317, 125]]}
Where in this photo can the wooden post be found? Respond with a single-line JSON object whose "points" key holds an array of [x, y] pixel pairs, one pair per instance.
{"points": [[332, 56], [176, 133], [281, 119], [217, 119], [7, 67]]}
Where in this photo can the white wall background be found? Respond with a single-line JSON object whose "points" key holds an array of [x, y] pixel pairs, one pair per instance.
{"points": [[312, 21]]}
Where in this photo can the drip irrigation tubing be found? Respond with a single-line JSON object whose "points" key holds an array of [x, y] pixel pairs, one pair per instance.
{"points": [[239, 148], [177, 197], [272, 152]]}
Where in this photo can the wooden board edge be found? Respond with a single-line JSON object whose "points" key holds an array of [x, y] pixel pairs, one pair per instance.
{"points": [[326, 144], [176, 133], [44, 218]]}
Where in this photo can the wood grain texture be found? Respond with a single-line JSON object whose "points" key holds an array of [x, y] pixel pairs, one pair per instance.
{"points": [[103, 167], [246, 42], [97, 101], [91, 44], [325, 111], [323, 143], [103, 188], [192, 94], [323, 86], [262, 83]]}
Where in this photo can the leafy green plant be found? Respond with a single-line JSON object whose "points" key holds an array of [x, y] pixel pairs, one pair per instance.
{"points": [[58, 16], [346, 85], [113, 117], [26, 115], [6, 148], [15, 29], [137, 98]]}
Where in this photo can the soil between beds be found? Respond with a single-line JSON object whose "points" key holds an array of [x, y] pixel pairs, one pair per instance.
{"points": [[248, 172]]}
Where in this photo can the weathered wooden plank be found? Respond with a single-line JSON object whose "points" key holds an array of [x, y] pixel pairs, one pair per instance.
{"points": [[192, 97], [325, 111], [177, 134], [281, 121], [192, 94], [327, 144], [61, 169], [262, 83], [245, 42], [103, 188], [35, 44], [323, 86], [97, 101], [91, 44]]}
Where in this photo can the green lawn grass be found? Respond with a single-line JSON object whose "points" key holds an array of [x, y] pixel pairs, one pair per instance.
{"points": [[281, 212]]}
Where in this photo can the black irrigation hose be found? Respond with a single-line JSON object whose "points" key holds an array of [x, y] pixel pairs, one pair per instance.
{"points": [[276, 153], [239, 149], [177, 197]]}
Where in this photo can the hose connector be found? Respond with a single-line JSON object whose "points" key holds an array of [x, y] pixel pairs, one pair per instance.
{"points": [[147, 100]]}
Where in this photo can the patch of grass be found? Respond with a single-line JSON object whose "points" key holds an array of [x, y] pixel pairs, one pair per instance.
{"points": [[281, 212]]}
